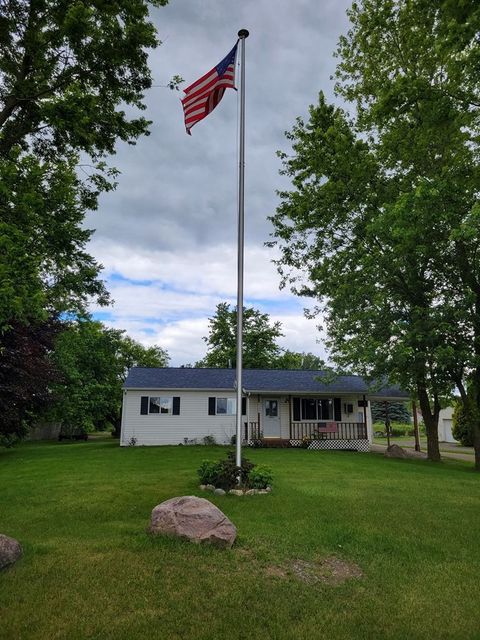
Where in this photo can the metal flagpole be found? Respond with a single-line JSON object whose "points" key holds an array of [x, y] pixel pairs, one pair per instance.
{"points": [[242, 34]]}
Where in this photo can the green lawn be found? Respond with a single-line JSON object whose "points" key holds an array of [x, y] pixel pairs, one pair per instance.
{"points": [[91, 571]]}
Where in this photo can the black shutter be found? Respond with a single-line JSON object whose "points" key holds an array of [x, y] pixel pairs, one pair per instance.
{"points": [[244, 406], [211, 406], [337, 409], [176, 406], [144, 405], [296, 409]]}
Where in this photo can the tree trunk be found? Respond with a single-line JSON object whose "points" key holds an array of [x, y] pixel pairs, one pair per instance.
{"points": [[475, 416], [430, 419]]}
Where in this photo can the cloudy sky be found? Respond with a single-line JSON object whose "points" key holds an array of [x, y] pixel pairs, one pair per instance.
{"points": [[167, 236]]}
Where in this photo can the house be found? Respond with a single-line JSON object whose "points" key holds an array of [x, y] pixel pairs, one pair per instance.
{"points": [[291, 407]]}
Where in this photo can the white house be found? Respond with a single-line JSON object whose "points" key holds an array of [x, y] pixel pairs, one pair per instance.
{"points": [[280, 407]]}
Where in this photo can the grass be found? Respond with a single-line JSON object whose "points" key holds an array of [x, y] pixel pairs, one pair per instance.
{"points": [[89, 569]]}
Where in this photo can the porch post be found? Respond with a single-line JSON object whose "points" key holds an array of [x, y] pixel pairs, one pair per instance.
{"points": [[365, 414], [248, 418], [290, 416]]}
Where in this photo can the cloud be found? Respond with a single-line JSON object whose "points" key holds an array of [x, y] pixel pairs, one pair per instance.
{"points": [[167, 235]]}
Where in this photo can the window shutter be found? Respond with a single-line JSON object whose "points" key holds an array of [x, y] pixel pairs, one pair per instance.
{"points": [[337, 409], [211, 406], [296, 409], [176, 406], [244, 406], [144, 405]]}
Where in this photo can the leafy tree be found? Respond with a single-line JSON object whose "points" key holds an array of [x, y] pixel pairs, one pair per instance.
{"points": [[26, 352], [94, 361], [260, 349], [295, 360], [67, 71], [462, 427], [397, 412], [383, 218]]}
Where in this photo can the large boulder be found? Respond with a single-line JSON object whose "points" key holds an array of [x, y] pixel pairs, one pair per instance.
{"points": [[394, 451], [193, 518], [10, 551]]}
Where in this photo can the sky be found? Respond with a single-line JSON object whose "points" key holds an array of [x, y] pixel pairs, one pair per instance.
{"points": [[167, 237]]}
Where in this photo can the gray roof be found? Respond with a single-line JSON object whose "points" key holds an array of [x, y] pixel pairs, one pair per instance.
{"points": [[255, 380]]}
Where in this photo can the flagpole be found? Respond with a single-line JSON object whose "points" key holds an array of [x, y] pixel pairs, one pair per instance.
{"points": [[242, 34]]}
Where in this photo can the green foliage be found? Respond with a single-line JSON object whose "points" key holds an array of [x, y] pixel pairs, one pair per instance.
{"points": [[260, 477], [208, 472], [224, 474], [382, 218], [209, 441], [295, 360], [259, 339], [72, 75], [462, 424], [94, 362], [397, 412]]}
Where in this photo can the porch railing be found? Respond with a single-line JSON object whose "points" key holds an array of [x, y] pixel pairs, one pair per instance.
{"points": [[328, 430], [314, 431]]}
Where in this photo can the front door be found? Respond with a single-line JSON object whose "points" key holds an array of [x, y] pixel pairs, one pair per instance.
{"points": [[271, 419]]}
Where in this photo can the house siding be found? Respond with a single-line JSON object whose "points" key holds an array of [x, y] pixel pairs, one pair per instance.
{"points": [[195, 423], [160, 429]]}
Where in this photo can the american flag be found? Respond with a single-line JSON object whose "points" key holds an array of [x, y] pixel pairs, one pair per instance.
{"points": [[202, 96]]}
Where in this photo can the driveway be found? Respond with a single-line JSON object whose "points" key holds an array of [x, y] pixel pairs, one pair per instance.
{"points": [[447, 450]]}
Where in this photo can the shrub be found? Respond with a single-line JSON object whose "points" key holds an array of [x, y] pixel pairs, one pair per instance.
{"points": [[208, 472], [209, 441], [462, 427], [224, 474], [260, 477]]}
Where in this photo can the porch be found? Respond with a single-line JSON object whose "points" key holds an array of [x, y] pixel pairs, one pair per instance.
{"points": [[312, 435]]}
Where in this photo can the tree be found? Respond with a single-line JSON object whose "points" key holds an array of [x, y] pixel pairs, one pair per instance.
{"points": [[295, 360], [397, 412], [260, 349], [25, 353], [383, 218], [462, 427], [94, 361], [67, 71]]}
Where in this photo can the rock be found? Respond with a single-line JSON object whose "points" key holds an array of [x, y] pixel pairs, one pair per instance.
{"points": [[203, 487], [251, 492], [219, 492], [193, 518], [236, 492], [263, 491], [394, 451], [268, 489], [10, 551], [209, 487]]}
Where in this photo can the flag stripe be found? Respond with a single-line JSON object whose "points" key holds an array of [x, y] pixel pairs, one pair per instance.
{"points": [[203, 95]]}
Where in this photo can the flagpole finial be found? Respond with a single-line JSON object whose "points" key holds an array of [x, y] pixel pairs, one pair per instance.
{"points": [[243, 33]]}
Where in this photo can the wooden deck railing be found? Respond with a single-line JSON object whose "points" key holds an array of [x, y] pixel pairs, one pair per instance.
{"points": [[328, 430], [315, 430]]}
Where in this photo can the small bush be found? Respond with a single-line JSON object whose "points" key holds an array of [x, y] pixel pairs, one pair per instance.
{"points": [[209, 441], [208, 472], [462, 427], [224, 474], [260, 477]]}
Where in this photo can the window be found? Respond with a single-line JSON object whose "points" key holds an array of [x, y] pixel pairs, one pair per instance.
{"points": [[225, 406], [169, 405], [271, 408], [317, 409], [314, 409]]}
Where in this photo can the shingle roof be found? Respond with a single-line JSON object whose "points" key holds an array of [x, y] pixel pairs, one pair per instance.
{"points": [[261, 380]]}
